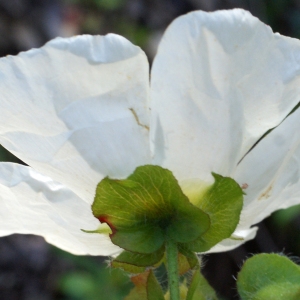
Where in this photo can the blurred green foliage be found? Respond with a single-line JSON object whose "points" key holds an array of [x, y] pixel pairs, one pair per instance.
{"points": [[91, 279], [284, 217], [109, 16], [100, 4]]}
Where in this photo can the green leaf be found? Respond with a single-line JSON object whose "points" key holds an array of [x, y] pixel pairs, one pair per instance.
{"points": [[269, 276], [146, 287], [146, 208], [136, 262], [200, 289], [284, 217], [109, 4], [223, 202]]}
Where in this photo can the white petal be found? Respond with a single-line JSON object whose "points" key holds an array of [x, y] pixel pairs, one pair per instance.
{"points": [[34, 204], [219, 82], [76, 109], [240, 237], [272, 172]]}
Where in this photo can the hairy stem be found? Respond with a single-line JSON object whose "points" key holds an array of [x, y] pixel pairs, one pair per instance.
{"points": [[172, 266]]}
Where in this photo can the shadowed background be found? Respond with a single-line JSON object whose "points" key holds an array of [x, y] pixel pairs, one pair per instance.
{"points": [[32, 269]]}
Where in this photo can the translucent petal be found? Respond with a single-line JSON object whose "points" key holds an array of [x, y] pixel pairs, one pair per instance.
{"points": [[271, 172], [77, 109], [34, 204], [239, 237], [219, 82]]}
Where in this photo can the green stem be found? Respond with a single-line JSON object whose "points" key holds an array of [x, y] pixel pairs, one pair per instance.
{"points": [[172, 266]]}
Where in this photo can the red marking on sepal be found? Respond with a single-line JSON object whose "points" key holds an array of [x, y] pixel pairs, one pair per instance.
{"points": [[105, 219]]}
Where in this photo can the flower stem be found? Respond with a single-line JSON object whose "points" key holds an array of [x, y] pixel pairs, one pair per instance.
{"points": [[172, 266]]}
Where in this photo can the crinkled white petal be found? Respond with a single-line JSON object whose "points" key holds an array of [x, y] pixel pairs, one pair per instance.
{"points": [[272, 173], [77, 109], [239, 238], [219, 81], [34, 204]]}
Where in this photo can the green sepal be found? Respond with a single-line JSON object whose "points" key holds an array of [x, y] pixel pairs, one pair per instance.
{"points": [[187, 261], [136, 262], [269, 276], [103, 229], [223, 202], [200, 289], [146, 208], [143, 240], [146, 287], [128, 267]]}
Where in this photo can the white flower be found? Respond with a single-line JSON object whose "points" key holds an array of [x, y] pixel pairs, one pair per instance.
{"points": [[78, 110]]}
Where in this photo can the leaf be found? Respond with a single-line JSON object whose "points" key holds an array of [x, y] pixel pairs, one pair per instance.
{"points": [[269, 276], [223, 202], [109, 4], [146, 287], [284, 217], [146, 208], [200, 289], [136, 262]]}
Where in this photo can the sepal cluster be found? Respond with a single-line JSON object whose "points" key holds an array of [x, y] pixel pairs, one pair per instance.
{"points": [[149, 207]]}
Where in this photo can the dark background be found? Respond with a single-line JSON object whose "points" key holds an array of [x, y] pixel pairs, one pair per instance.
{"points": [[30, 269]]}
